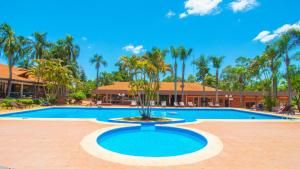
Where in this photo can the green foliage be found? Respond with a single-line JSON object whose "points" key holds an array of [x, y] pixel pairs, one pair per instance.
{"points": [[269, 103], [105, 78], [25, 101], [78, 96], [7, 102], [191, 79]]}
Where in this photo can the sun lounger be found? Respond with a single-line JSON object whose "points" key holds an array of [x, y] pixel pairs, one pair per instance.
{"points": [[181, 104], [176, 104], [86, 103], [133, 103], [211, 104], [190, 104], [288, 109], [18, 105], [46, 104], [99, 103], [152, 103], [217, 105], [163, 103]]}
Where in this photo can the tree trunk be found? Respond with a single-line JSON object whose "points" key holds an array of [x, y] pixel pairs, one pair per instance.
{"points": [[9, 84], [97, 78], [241, 98], [204, 94], [217, 85], [175, 81], [287, 62], [274, 82], [182, 81]]}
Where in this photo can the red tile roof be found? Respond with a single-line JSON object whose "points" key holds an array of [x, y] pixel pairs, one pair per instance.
{"points": [[164, 86], [18, 74]]}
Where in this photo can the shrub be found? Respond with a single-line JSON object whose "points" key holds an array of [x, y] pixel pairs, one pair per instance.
{"points": [[37, 101], [26, 101], [8, 102], [269, 103], [78, 96]]}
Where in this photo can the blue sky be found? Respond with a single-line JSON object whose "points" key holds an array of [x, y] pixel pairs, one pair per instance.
{"points": [[109, 27]]}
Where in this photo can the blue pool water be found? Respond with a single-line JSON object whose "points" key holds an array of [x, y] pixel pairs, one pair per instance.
{"points": [[104, 114], [152, 142]]}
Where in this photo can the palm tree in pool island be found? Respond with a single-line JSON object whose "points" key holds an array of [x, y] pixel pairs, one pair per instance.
{"points": [[175, 54], [98, 61], [217, 61]]}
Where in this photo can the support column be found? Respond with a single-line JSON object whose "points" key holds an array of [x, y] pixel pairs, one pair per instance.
{"points": [[22, 90], [106, 98], [170, 99]]}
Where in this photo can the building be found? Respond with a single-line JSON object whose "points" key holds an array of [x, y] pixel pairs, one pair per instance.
{"points": [[118, 93], [23, 85]]}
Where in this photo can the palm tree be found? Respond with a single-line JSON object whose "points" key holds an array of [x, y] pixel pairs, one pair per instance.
{"points": [[271, 56], [175, 54], [156, 57], [72, 50], [217, 61], [98, 61], [183, 54], [287, 42], [203, 70], [14, 48], [40, 51]]}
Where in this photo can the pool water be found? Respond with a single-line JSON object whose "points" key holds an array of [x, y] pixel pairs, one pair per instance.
{"points": [[104, 114], [151, 141]]}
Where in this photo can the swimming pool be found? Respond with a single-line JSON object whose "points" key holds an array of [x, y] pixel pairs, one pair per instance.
{"points": [[151, 141], [104, 114]]}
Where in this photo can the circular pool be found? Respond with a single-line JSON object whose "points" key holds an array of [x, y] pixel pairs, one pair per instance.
{"points": [[151, 141], [149, 146]]}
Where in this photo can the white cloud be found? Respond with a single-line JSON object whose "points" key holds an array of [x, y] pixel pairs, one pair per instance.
{"points": [[243, 5], [134, 49], [262, 35], [267, 36], [89, 47], [170, 14], [200, 7], [182, 15], [84, 38]]}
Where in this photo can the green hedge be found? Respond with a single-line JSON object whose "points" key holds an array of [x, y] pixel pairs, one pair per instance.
{"points": [[8, 102], [78, 96]]}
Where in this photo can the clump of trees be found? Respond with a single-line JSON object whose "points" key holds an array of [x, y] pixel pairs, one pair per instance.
{"points": [[144, 77]]}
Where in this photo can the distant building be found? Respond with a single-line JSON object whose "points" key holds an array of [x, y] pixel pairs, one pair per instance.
{"points": [[23, 85], [118, 93]]}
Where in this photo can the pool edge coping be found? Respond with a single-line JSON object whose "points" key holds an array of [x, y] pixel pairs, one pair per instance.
{"points": [[213, 148], [288, 118]]}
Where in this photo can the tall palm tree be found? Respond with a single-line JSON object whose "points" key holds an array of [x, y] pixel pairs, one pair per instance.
{"points": [[40, 51], [175, 55], [14, 48], [98, 61], [271, 56], [217, 61], [287, 42], [183, 54], [203, 70], [156, 57], [72, 50]]}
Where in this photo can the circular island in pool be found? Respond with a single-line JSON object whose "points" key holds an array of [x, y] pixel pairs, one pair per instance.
{"points": [[152, 145]]}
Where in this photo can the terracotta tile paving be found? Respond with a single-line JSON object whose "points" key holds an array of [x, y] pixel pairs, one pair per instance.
{"points": [[26, 144]]}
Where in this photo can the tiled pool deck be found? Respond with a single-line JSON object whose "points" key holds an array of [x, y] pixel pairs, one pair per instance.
{"points": [[47, 144]]}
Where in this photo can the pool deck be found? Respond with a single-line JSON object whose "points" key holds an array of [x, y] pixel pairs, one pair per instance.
{"points": [[52, 144]]}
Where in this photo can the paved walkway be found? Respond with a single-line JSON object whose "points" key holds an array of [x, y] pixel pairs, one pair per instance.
{"points": [[31, 144]]}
